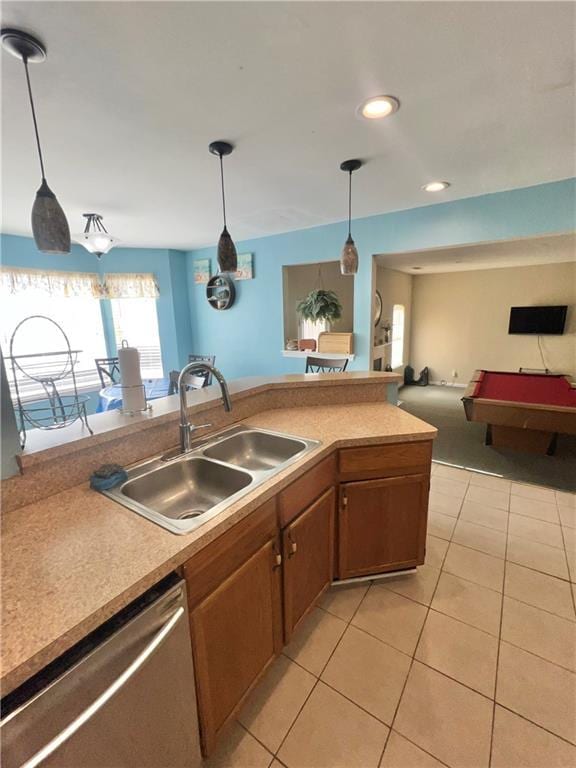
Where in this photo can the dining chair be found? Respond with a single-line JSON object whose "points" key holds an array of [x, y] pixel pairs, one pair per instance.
{"points": [[192, 382], [108, 370], [203, 359], [325, 365]]}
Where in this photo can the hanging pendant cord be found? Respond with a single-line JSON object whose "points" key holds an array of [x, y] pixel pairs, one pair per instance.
{"points": [[25, 60], [350, 205], [222, 186]]}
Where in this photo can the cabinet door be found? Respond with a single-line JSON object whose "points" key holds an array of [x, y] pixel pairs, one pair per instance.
{"points": [[308, 549], [236, 633], [382, 525]]}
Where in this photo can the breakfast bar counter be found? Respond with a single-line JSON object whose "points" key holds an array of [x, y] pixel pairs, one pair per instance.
{"points": [[73, 559]]}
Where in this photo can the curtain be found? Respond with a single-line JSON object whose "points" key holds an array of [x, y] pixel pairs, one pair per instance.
{"points": [[59, 284], [125, 285]]}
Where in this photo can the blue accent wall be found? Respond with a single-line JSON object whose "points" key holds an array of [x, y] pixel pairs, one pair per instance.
{"points": [[168, 266], [248, 338]]}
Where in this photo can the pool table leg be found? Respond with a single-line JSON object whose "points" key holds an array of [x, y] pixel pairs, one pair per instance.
{"points": [[488, 438], [553, 443]]}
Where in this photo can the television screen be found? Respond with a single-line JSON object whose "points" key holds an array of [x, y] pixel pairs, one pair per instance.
{"points": [[543, 321]]}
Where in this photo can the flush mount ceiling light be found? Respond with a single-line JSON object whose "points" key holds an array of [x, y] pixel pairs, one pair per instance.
{"points": [[227, 257], [95, 237], [436, 186], [378, 107], [349, 255], [49, 225]]}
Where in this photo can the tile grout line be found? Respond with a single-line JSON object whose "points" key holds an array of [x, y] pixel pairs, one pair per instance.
{"points": [[572, 590], [322, 670], [499, 641], [428, 608]]}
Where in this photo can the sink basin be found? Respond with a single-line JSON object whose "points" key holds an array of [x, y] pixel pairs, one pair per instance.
{"points": [[255, 450], [182, 491], [186, 489]]}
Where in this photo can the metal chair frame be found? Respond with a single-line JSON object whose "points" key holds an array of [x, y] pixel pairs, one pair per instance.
{"points": [[325, 364]]}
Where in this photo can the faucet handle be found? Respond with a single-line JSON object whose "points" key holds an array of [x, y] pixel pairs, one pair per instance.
{"points": [[194, 427]]}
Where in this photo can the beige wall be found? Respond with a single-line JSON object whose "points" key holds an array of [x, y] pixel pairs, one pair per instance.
{"points": [[460, 320], [395, 288], [300, 279]]}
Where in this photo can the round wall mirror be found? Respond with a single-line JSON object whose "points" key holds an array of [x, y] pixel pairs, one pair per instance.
{"points": [[377, 308]]}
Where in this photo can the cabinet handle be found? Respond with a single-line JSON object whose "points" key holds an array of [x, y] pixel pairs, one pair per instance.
{"points": [[344, 500], [292, 544], [277, 557]]}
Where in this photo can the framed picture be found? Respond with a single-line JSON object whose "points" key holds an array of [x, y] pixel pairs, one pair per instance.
{"points": [[245, 268], [201, 271]]}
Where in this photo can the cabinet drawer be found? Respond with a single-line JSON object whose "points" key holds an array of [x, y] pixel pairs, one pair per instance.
{"points": [[208, 568], [385, 460], [302, 492]]}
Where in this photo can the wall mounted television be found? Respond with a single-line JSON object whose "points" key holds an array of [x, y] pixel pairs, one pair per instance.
{"points": [[543, 321]]}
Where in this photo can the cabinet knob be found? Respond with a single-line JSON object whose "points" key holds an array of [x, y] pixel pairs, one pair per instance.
{"points": [[293, 547], [277, 561]]}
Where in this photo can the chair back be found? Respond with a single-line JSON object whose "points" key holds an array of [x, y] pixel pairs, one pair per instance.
{"points": [[108, 370], [192, 382], [325, 365], [203, 359]]}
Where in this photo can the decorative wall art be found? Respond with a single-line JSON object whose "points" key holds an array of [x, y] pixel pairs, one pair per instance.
{"points": [[201, 271], [245, 269]]}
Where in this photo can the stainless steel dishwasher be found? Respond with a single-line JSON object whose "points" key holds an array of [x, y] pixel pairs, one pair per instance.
{"points": [[122, 698]]}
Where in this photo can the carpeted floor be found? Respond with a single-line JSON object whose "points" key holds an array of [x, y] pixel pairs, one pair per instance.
{"points": [[461, 442]]}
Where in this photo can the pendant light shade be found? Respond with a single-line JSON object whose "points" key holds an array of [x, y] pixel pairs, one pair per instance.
{"points": [[49, 224], [349, 255], [349, 258], [95, 237], [226, 254]]}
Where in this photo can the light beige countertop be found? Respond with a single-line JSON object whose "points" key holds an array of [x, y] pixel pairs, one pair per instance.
{"points": [[72, 560]]}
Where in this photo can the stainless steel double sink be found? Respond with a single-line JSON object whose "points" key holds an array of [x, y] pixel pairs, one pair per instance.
{"points": [[183, 492]]}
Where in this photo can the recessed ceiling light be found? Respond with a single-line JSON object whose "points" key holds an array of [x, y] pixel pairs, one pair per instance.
{"points": [[378, 107], [416, 267], [436, 186]]}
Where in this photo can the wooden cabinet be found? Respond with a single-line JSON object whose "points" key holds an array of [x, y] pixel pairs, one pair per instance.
{"points": [[236, 633], [382, 525], [308, 555], [234, 587], [249, 589]]}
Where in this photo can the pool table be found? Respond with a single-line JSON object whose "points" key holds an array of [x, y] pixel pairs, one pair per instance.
{"points": [[524, 411]]}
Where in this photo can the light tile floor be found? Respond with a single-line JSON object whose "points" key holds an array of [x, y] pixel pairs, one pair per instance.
{"points": [[468, 663]]}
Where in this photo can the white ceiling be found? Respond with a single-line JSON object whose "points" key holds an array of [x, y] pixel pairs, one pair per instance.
{"points": [[549, 249], [133, 92]]}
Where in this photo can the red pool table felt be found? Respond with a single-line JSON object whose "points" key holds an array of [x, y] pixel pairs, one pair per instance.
{"points": [[525, 388]]}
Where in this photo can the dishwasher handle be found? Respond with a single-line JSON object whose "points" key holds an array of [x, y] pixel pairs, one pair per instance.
{"points": [[112, 689]]}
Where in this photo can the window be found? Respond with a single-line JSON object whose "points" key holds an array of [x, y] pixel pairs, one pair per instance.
{"points": [[397, 357], [78, 316], [136, 321]]}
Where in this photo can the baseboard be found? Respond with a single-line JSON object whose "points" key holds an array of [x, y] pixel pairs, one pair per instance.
{"points": [[448, 384]]}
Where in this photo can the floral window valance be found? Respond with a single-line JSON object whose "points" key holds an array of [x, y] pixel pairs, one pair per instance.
{"points": [[125, 285], [121, 285], [58, 284]]}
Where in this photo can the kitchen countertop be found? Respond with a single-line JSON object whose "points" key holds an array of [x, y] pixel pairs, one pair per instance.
{"points": [[72, 560]]}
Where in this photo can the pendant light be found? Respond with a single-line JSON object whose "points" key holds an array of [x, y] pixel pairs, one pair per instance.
{"points": [[227, 257], [95, 237], [349, 255], [49, 225]]}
